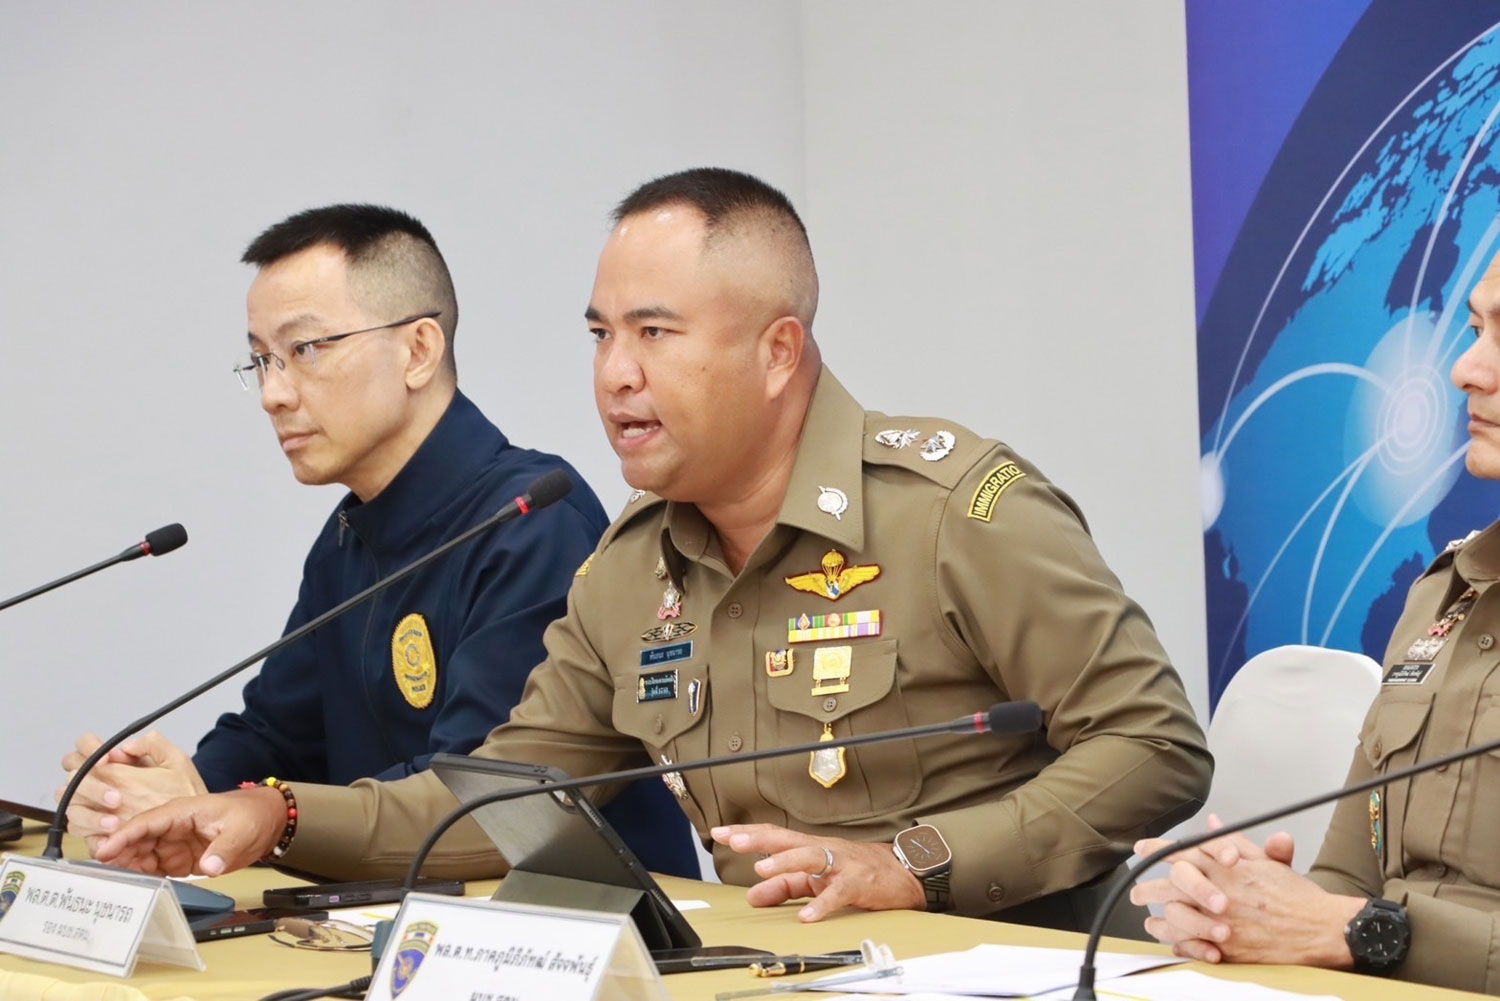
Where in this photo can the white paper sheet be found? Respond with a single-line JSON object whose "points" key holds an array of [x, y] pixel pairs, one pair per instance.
{"points": [[1186, 985], [1001, 971]]}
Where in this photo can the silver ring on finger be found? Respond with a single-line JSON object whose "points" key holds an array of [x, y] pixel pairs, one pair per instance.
{"points": [[827, 864]]}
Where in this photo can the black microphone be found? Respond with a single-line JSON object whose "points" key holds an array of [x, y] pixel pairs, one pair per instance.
{"points": [[1005, 719], [544, 490], [158, 543], [1085, 991]]}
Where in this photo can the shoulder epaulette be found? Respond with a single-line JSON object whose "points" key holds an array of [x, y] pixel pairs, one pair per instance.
{"points": [[639, 503], [1449, 553], [940, 450]]}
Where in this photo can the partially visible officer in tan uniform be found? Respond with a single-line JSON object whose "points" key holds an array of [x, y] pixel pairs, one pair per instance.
{"points": [[1408, 880], [793, 567]]}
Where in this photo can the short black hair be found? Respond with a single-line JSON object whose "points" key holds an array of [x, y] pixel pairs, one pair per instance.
{"points": [[393, 258], [717, 192]]}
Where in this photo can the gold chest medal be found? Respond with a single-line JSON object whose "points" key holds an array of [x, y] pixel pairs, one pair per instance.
{"points": [[413, 661]]}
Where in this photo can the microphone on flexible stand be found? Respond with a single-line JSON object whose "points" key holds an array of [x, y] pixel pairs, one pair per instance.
{"points": [[545, 490], [1085, 991], [1005, 719], [157, 543]]}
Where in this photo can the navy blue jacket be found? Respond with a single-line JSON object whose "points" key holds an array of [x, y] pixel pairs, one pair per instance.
{"points": [[329, 708]]}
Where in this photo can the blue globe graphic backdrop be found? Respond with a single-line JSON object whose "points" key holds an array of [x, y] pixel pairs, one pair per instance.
{"points": [[1332, 469]]}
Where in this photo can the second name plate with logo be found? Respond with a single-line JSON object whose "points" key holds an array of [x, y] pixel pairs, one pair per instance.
{"points": [[446, 948]]}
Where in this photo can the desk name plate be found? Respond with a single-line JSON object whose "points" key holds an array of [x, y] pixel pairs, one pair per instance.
{"points": [[454, 949], [91, 918]]}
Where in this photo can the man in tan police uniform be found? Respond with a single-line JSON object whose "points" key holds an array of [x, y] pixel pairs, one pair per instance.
{"points": [[799, 569], [1408, 879]]}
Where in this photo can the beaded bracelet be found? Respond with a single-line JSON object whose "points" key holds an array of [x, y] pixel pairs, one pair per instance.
{"points": [[285, 844]]}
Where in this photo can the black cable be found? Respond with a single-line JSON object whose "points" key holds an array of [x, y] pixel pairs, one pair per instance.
{"points": [[354, 989]]}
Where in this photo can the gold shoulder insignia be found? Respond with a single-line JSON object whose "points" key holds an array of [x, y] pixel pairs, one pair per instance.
{"points": [[583, 571], [995, 483]]}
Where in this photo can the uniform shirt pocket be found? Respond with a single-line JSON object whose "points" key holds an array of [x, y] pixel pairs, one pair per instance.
{"points": [[644, 711], [880, 778], [1391, 730]]}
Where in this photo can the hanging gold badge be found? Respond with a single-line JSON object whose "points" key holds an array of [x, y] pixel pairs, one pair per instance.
{"points": [[413, 661], [674, 780], [826, 765], [831, 668]]}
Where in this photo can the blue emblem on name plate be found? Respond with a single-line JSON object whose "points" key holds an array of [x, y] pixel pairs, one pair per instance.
{"points": [[410, 953]]}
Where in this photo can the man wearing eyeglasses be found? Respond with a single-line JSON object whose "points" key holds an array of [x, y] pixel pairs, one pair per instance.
{"points": [[352, 316]]}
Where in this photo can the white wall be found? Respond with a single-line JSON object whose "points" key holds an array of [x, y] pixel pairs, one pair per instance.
{"points": [[144, 144], [1026, 271]]}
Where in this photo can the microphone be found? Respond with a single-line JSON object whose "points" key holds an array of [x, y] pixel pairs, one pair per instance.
{"points": [[546, 489], [158, 543], [1005, 719], [1085, 990]]}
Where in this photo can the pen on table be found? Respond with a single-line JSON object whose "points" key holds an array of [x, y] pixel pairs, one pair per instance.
{"points": [[776, 966], [812, 985]]}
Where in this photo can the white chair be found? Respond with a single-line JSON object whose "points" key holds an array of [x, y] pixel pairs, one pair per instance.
{"points": [[1286, 728]]}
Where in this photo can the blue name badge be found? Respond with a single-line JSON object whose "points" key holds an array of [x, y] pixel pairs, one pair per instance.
{"points": [[657, 656]]}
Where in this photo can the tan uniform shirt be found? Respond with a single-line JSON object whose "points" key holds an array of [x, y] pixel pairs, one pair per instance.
{"points": [[988, 589], [1433, 842]]}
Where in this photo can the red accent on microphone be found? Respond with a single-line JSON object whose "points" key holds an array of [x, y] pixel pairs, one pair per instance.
{"points": [[981, 722], [522, 505]]}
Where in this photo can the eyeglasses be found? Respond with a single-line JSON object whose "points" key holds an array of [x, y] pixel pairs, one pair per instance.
{"points": [[323, 936], [252, 374]]}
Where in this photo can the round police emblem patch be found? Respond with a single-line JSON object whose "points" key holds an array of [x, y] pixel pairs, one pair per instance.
{"points": [[413, 661]]}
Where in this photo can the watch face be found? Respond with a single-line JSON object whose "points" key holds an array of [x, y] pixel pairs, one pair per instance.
{"points": [[1380, 938], [924, 848]]}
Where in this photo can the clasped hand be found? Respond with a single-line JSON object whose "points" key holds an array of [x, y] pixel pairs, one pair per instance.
{"points": [[1231, 900], [140, 774]]}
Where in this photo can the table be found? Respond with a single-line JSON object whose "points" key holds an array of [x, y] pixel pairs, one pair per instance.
{"points": [[255, 966]]}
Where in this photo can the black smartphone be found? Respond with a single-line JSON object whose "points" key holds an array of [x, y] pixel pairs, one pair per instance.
{"points": [[368, 891], [256, 921], [706, 957]]}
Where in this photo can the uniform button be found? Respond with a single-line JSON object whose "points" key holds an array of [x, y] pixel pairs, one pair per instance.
{"points": [[735, 743], [995, 892], [735, 609], [1377, 747], [1441, 768], [657, 724], [830, 704], [1440, 870], [1485, 641]]}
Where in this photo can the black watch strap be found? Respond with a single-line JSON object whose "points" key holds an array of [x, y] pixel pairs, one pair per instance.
{"points": [[938, 887]]}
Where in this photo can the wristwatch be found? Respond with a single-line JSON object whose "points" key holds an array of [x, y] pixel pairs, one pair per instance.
{"points": [[1378, 937], [927, 856]]}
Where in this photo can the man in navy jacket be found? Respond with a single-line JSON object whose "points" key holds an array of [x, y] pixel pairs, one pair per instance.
{"points": [[352, 317]]}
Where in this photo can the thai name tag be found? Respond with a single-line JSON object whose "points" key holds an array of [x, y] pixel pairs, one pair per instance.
{"points": [[90, 917], [441, 948]]}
